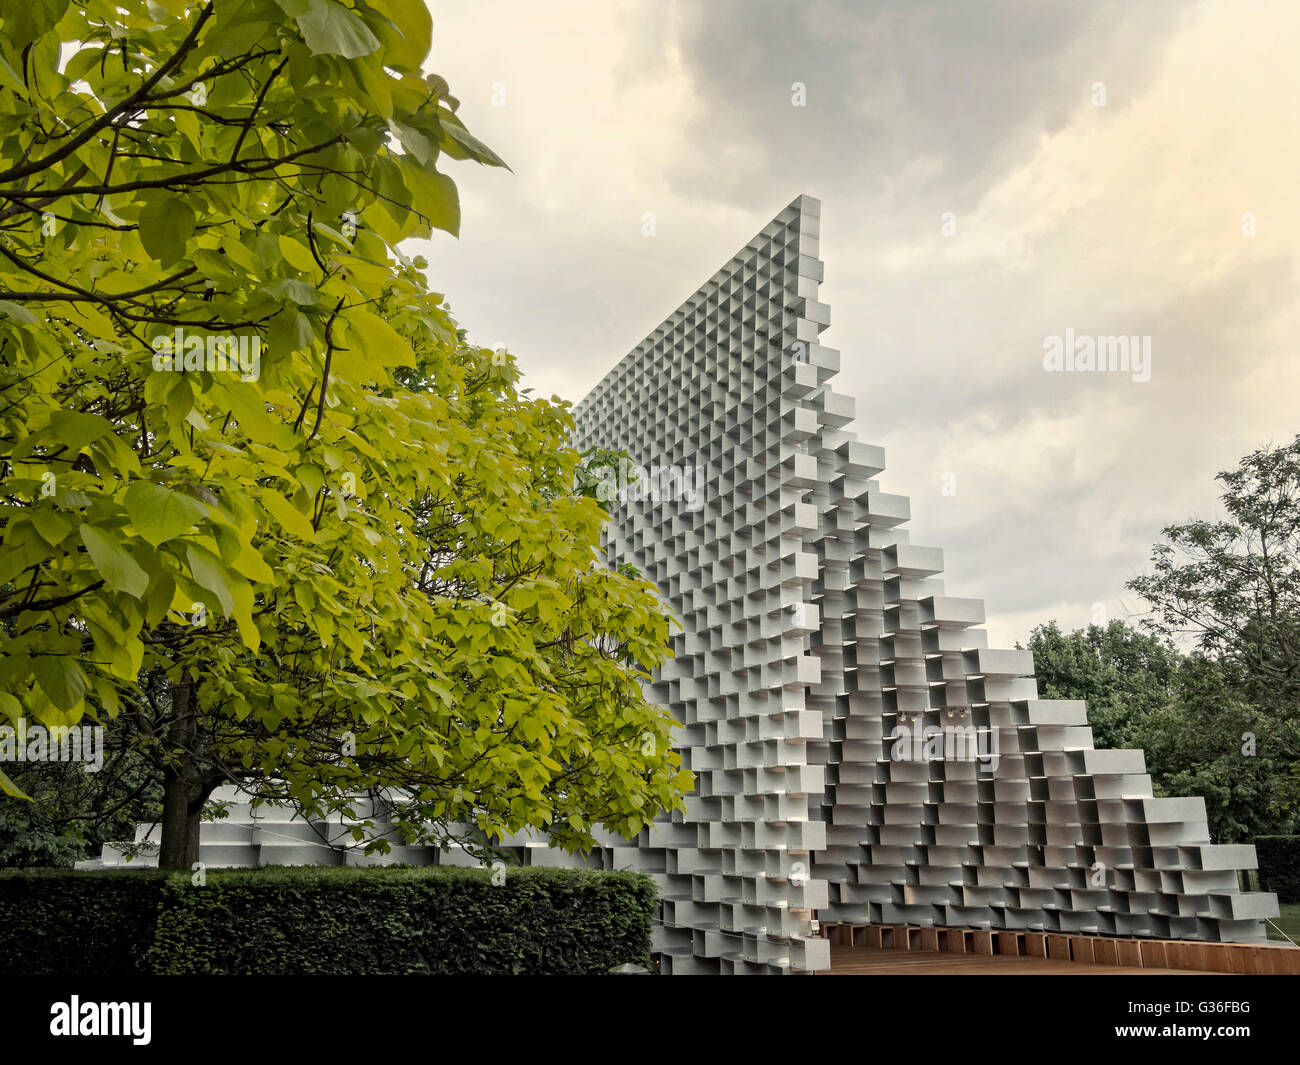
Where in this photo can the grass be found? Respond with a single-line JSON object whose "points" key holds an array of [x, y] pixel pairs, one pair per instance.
{"points": [[1288, 919], [1289, 922]]}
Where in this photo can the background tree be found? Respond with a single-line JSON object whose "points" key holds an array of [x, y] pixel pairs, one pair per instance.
{"points": [[1123, 673], [72, 812], [1232, 588], [1206, 742], [1181, 711], [351, 561]]}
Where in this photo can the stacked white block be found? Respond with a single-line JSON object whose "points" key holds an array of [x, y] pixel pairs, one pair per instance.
{"points": [[247, 837], [859, 751], [711, 390]]}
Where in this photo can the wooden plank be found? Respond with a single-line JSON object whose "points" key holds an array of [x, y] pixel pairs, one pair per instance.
{"points": [[929, 939], [1081, 949], [983, 941], [1154, 955], [1058, 947], [1105, 951], [1129, 953], [1036, 944], [1010, 944]]}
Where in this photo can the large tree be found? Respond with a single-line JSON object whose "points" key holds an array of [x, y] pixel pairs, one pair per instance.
{"points": [[267, 515], [1232, 585], [1231, 588]]}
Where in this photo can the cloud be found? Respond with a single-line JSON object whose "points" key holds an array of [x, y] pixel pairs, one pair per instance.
{"points": [[1121, 219]]}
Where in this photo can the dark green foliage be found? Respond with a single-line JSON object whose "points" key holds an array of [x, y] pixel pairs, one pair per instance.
{"points": [[328, 921], [1212, 742], [73, 812], [1200, 735], [62, 923], [1279, 866], [1123, 674], [1233, 585]]}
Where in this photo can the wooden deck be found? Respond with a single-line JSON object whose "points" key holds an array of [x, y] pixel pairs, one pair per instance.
{"points": [[859, 961], [886, 948]]}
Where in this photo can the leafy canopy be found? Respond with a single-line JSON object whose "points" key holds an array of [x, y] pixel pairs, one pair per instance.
{"points": [[266, 513], [1233, 585], [1180, 710]]}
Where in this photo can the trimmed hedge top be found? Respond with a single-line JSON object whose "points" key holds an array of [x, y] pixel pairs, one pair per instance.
{"points": [[325, 920]]}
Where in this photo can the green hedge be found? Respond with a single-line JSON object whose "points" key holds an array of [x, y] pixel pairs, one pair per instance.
{"points": [[1279, 866], [58, 922], [327, 921]]}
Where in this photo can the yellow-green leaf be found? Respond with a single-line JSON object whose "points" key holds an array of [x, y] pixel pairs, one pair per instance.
{"points": [[119, 570], [289, 518], [159, 514]]}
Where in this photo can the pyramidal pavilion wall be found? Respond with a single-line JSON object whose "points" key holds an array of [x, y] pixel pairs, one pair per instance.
{"points": [[813, 631], [860, 754]]}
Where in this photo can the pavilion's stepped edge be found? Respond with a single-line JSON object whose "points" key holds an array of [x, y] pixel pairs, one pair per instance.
{"points": [[815, 632]]}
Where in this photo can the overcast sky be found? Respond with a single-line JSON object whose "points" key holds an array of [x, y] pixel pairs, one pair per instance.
{"points": [[1103, 165]]}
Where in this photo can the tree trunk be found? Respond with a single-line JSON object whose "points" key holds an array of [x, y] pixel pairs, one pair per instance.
{"points": [[180, 826], [184, 790]]}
